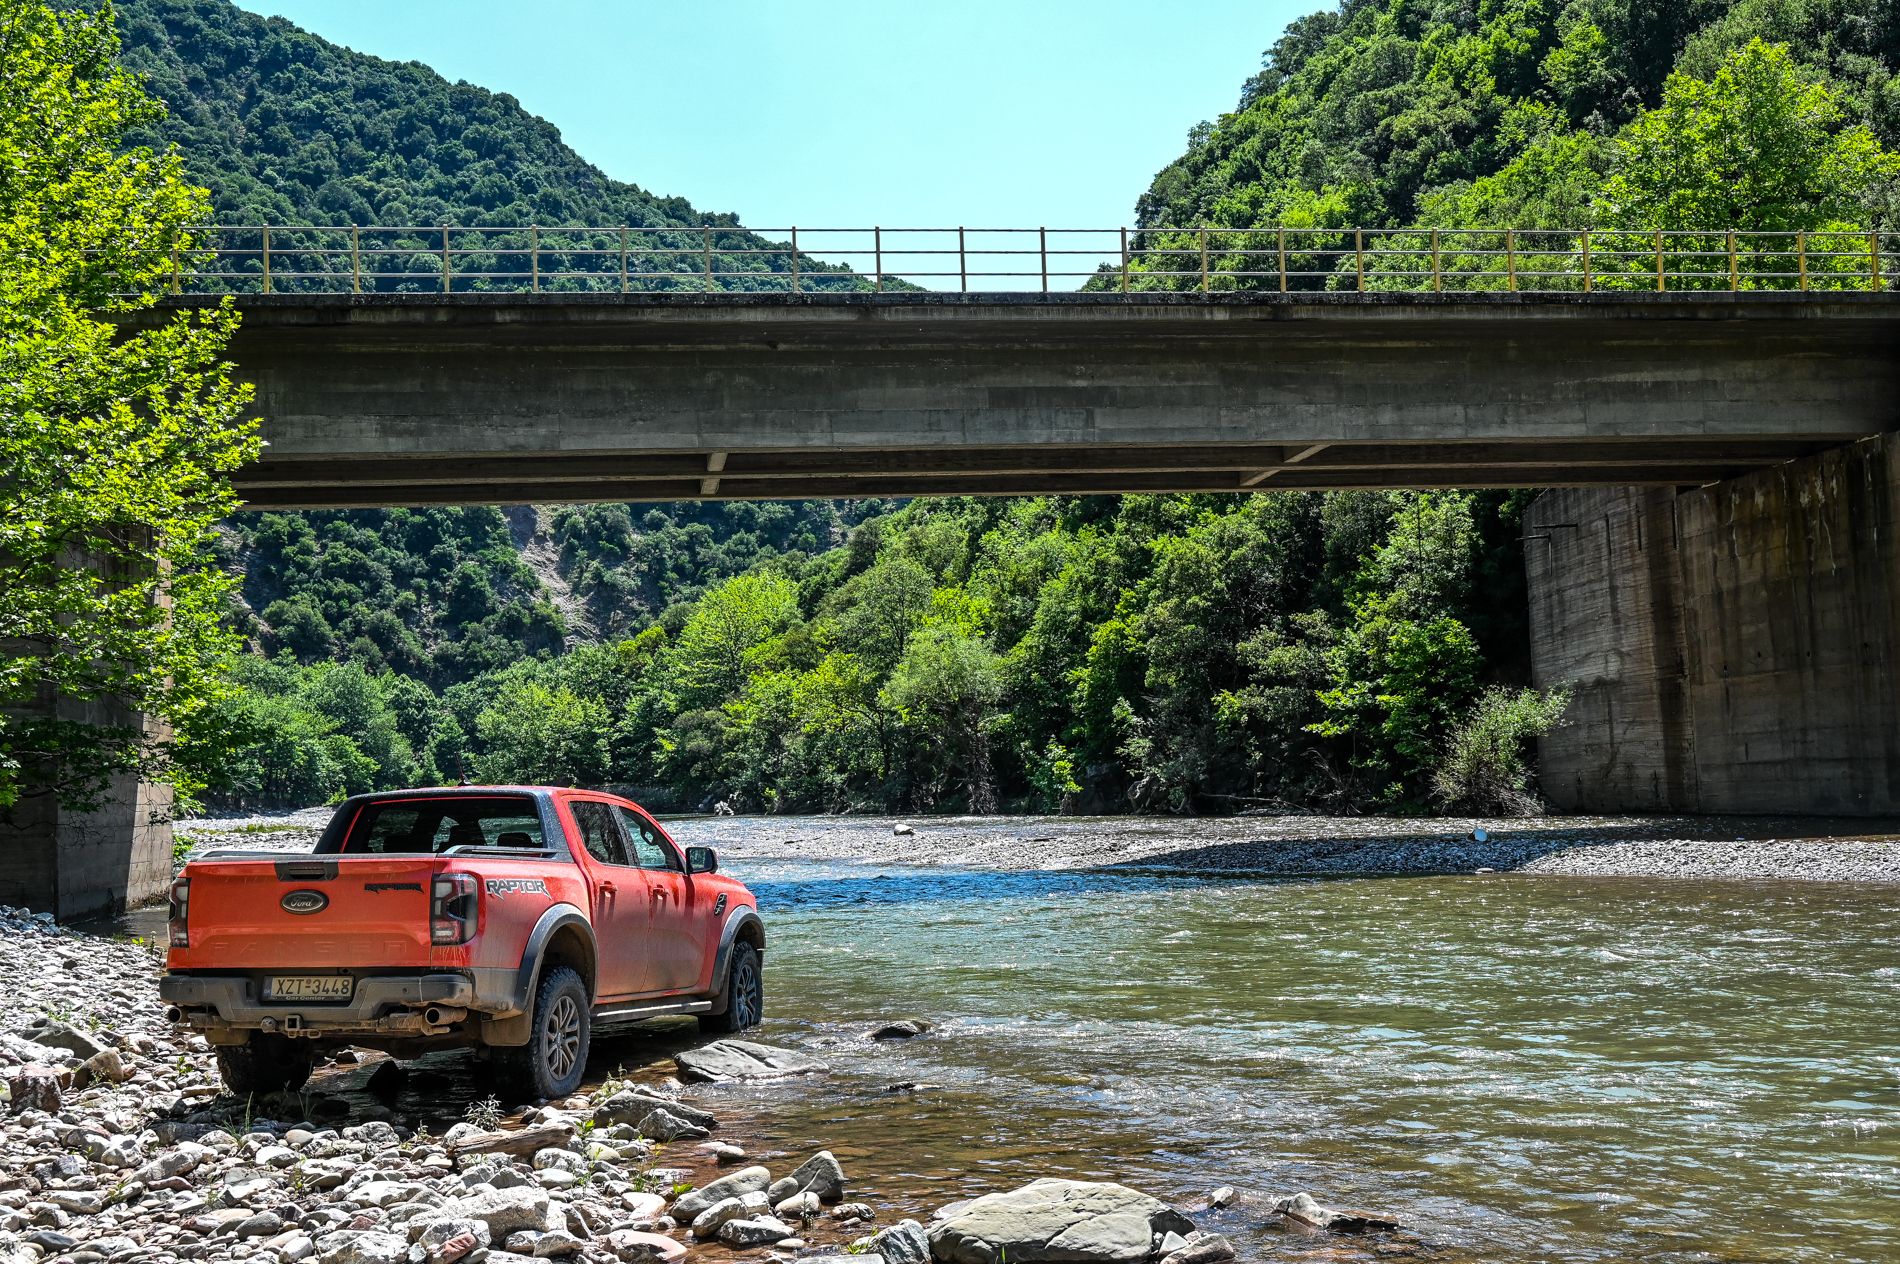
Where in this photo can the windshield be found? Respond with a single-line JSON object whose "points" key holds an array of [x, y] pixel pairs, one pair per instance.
{"points": [[431, 826]]}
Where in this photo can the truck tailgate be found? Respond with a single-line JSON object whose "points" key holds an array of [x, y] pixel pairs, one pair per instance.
{"points": [[330, 911]]}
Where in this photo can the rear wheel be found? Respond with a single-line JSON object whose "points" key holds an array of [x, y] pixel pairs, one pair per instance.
{"points": [[745, 993], [266, 1063], [553, 1061]]}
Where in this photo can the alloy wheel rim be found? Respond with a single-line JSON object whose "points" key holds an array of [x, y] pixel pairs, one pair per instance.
{"points": [[563, 1036], [746, 994]]}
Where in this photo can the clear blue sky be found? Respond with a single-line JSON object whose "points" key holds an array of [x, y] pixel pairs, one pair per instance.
{"points": [[848, 112]]}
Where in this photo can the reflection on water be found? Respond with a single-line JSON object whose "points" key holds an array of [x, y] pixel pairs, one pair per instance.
{"points": [[1524, 1068]]}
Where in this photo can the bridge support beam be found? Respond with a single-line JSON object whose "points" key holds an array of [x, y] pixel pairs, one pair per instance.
{"points": [[1732, 648]]}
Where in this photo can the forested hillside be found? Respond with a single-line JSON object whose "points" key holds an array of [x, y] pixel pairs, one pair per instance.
{"points": [[1386, 113], [1202, 653]]}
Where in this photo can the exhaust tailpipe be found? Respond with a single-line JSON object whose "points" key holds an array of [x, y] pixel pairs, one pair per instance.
{"points": [[173, 1014], [443, 1015]]}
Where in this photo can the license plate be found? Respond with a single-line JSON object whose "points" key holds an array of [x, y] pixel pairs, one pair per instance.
{"points": [[309, 987]]}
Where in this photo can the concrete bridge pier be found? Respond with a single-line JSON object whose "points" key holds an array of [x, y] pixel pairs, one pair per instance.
{"points": [[1732, 648], [80, 864]]}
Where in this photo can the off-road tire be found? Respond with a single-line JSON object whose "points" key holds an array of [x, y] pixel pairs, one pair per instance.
{"points": [[554, 1060], [745, 993], [266, 1063]]}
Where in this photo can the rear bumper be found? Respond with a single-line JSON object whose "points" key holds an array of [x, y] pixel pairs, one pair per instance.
{"points": [[384, 1005]]}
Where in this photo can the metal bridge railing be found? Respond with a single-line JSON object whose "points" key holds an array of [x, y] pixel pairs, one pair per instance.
{"points": [[471, 259]]}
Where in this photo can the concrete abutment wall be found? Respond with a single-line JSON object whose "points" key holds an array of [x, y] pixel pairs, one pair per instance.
{"points": [[1731, 648]]}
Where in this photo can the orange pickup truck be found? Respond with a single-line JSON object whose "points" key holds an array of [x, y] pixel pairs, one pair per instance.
{"points": [[512, 919]]}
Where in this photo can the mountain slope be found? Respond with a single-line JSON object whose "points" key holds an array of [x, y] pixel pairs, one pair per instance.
{"points": [[1359, 113]]}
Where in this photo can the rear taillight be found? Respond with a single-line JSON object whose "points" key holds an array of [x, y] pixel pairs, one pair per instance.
{"points": [[452, 908], [179, 915]]}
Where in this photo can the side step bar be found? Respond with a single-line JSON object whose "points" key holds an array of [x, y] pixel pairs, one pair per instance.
{"points": [[641, 1010]]}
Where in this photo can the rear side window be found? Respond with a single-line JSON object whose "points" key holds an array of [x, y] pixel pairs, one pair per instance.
{"points": [[598, 835], [433, 826]]}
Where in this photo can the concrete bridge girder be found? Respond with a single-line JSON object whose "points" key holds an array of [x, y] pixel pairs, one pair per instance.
{"points": [[421, 399]]}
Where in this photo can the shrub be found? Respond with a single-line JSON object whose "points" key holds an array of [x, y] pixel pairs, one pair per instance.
{"points": [[1485, 767]]}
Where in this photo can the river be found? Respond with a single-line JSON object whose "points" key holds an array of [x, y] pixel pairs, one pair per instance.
{"points": [[1523, 1067]]}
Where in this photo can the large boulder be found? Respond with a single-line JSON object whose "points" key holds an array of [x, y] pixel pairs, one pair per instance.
{"points": [[1076, 1222], [57, 1035], [663, 1124], [905, 1242], [636, 1247], [757, 1231], [1308, 1211], [503, 1210], [747, 1180], [706, 1223], [742, 1060], [33, 1088], [820, 1175], [632, 1106], [362, 1247]]}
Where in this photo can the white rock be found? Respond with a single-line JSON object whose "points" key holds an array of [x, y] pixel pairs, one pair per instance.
{"points": [[747, 1180], [706, 1224], [367, 1247], [761, 1231], [798, 1207]]}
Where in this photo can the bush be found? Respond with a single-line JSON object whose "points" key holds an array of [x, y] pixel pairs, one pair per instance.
{"points": [[1485, 768]]}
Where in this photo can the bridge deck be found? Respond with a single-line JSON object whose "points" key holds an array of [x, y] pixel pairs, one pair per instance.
{"points": [[505, 398]]}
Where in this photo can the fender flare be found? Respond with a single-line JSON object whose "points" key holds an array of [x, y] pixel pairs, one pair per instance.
{"points": [[741, 917], [515, 1028], [558, 917]]}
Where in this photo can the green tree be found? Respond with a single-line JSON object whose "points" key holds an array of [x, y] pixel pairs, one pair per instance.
{"points": [[726, 628], [114, 451], [534, 732], [945, 688], [1760, 146]]}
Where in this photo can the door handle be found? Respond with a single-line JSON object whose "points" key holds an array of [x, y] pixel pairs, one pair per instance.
{"points": [[659, 894], [608, 888]]}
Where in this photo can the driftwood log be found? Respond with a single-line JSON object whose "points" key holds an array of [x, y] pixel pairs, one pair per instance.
{"points": [[522, 1142]]}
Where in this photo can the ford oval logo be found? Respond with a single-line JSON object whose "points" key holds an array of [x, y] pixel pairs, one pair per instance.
{"points": [[305, 902]]}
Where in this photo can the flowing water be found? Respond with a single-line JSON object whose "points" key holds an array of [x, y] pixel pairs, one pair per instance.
{"points": [[1523, 1068]]}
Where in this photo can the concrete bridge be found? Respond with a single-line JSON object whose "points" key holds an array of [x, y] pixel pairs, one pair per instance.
{"points": [[1720, 583], [378, 400]]}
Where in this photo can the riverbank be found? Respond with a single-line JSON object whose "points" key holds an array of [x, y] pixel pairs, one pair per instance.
{"points": [[118, 1143], [1764, 848]]}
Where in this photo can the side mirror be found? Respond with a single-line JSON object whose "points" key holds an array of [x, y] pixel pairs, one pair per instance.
{"points": [[702, 860]]}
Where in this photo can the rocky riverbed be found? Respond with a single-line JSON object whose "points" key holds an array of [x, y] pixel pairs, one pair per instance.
{"points": [[119, 1144], [1294, 845]]}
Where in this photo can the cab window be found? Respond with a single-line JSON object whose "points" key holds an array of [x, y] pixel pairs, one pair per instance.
{"points": [[598, 833], [423, 826], [650, 849]]}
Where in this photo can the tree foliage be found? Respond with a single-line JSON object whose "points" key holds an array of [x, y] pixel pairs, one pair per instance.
{"points": [[115, 450], [1758, 146]]}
